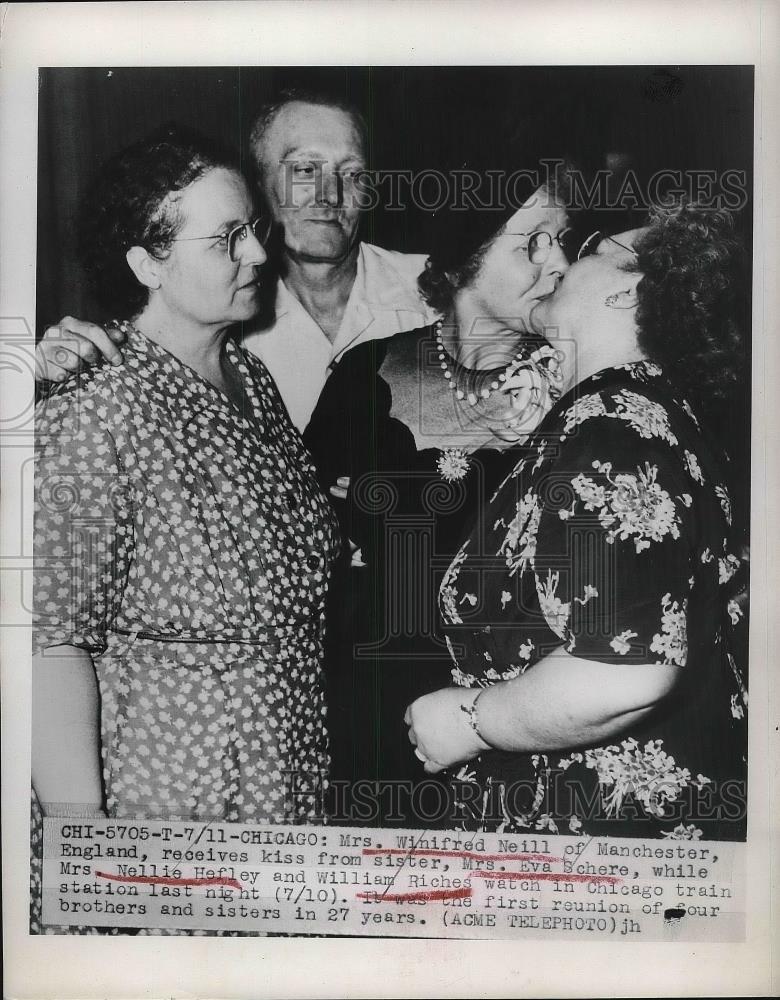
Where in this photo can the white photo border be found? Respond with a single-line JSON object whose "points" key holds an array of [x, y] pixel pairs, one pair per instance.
{"points": [[362, 32]]}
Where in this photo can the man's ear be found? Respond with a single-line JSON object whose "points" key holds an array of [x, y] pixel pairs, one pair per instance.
{"points": [[145, 267]]}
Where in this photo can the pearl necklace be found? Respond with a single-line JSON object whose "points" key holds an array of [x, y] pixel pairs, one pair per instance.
{"points": [[540, 367], [454, 463], [471, 395]]}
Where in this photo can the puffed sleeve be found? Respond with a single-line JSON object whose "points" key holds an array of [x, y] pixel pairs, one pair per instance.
{"points": [[84, 537], [613, 563]]}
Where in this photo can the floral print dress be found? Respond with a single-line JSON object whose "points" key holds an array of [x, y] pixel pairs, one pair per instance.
{"points": [[183, 542], [408, 519], [610, 539]]}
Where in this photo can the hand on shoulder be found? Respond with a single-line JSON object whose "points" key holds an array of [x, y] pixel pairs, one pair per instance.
{"points": [[72, 345]]}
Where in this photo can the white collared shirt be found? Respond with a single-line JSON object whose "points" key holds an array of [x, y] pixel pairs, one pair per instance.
{"points": [[384, 301]]}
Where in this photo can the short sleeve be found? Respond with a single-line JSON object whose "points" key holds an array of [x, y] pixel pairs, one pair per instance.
{"points": [[613, 561], [83, 537]]}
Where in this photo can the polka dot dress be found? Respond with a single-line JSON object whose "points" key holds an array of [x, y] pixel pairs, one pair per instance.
{"points": [[185, 544]]}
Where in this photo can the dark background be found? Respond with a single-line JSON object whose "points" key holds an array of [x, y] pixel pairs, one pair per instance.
{"points": [[418, 119], [445, 118]]}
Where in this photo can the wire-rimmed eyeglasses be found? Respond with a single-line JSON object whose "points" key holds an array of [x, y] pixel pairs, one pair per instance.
{"points": [[591, 244], [230, 241], [540, 244]]}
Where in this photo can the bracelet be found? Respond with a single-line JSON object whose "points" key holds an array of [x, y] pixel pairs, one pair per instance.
{"points": [[471, 712]]}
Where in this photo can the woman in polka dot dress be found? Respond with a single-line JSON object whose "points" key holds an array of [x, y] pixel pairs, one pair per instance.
{"points": [[182, 546]]}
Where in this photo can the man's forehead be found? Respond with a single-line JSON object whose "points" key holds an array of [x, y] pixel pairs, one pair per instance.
{"points": [[301, 125]]}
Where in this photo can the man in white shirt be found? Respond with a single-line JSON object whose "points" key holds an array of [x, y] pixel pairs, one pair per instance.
{"points": [[333, 291]]}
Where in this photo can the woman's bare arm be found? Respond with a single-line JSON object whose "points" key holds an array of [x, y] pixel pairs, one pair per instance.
{"points": [[66, 764], [562, 702]]}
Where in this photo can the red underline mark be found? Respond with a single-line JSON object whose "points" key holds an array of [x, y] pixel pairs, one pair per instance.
{"points": [[170, 880], [471, 855], [427, 896], [546, 876], [434, 895]]}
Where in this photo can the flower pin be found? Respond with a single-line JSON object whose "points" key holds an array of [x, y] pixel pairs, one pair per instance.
{"points": [[452, 464]]}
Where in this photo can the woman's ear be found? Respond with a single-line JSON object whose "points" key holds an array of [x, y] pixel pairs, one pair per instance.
{"points": [[626, 298], [622, 300], [145, 267]]}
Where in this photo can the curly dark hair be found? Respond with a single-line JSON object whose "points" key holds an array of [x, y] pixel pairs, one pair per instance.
{"points": [[692, 298], [126, 205], [438, 285]]}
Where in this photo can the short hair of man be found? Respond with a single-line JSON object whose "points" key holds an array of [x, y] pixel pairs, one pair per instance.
{"points": [[299, 95]]}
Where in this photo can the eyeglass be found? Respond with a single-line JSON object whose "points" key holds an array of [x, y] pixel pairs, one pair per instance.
{"points": [[259, 227], [540, 244], [590, 245]]}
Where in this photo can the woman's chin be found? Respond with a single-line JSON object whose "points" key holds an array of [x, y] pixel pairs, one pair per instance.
{"points": [[245, 304]]}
